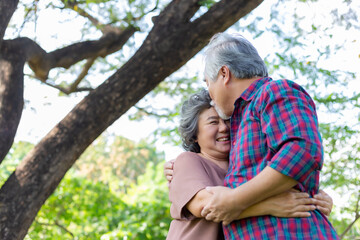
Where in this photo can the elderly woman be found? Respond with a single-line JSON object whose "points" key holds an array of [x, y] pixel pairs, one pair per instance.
{"points": [[207, 141]]}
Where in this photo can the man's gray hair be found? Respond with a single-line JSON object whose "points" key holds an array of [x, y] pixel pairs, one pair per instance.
{"points": [[190, 112], [235, 52]]}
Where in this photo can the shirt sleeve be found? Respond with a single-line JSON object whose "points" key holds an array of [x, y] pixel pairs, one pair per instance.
{"points": [[189, 178], [290, 123]]}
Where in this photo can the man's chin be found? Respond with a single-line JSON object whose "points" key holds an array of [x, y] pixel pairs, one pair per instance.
{"points": [[221, 113]]}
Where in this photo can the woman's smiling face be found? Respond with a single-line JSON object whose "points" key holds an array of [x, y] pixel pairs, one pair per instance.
{"points": [[213, 135]]}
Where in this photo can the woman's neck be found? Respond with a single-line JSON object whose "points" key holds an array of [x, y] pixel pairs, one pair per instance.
{"points": [[222, 162]]}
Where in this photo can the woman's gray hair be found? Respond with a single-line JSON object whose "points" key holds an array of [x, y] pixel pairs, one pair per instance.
{"points": [[190, 112], [235, 52]]}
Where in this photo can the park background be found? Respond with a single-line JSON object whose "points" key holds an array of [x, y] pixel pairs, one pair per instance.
{"points": [[116, 190]]}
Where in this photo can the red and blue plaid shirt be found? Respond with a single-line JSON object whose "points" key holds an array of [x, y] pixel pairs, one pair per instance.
{"points": [[275, 124]]}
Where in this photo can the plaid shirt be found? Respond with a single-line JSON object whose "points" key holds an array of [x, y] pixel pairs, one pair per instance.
{"points": [[275, 124]]}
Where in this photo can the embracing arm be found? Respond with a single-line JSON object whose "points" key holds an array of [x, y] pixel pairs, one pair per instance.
{"points": [[291, 203]]}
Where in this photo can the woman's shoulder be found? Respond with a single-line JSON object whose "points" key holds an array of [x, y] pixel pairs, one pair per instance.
{"points": [[188, 158], [186, 155]]}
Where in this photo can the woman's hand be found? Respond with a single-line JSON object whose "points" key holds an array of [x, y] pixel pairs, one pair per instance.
{"points": [[298, 204], [169, 170], [290, 204], [323, 202]]}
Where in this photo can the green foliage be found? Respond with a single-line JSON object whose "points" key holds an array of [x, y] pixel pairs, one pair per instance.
{"points": [[148, 215], [90, 207], [116, 161], [207, 3], [13, 158]]}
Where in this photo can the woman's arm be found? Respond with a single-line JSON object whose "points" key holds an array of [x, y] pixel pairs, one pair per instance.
{"points": [[288, 204]]}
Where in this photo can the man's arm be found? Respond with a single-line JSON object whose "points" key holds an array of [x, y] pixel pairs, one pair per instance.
{"points": [[226, 204]]}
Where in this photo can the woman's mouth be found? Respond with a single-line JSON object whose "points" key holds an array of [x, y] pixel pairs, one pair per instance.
{"points": [[223, 139]]}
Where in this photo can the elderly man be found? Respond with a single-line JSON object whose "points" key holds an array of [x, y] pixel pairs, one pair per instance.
{"points": [[276, 144]]}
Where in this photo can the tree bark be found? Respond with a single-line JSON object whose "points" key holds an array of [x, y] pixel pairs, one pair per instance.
{"points": [[11, 93], [170, 44], [42, 62], [7, 9]]}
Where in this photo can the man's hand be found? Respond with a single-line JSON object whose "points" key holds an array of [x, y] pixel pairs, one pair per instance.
{"points": [[220, 207]]}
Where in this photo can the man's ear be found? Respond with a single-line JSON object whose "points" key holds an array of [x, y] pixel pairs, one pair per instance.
{"points": [[225, 74]]}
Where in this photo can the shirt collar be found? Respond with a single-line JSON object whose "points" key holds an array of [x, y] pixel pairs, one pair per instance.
{"points": [[249, 93]]}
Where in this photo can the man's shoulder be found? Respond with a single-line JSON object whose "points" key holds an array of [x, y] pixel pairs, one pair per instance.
{"points": [[282, 87], [283, 84]]}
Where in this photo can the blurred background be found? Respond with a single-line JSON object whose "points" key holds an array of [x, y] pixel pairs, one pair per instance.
{"points": [[116, 190]]}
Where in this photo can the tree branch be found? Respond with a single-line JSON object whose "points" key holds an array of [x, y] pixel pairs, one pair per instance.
{"points": [[104, 28], [57, 224], [41, 62], [357, 216], [74, 86], [147, 113]]}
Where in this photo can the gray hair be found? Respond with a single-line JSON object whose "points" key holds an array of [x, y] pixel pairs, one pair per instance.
{"points": [[235, 52], [190, 112]]}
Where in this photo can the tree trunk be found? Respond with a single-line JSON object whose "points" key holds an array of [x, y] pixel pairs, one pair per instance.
{"points": [[170, 44], [11, 94], [7, 9]]}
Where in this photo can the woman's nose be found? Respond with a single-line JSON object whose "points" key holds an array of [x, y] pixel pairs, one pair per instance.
{"points": [[223, 127]]}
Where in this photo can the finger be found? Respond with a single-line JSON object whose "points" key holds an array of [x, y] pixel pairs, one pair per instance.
{"points": [[325, 211], [320, 196], [306, 201], [293, 190], [205, 212], [305, 208], [322, 192], [225, 223], [323, 204], [301, 214], [301, 195], [217, 220], [210, 189], [210, 217], [168, 172], [168, 165], [169, 178], [323, 197]]}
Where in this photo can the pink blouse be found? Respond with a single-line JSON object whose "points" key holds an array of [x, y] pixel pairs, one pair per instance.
{"points": [[192, 173]]}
